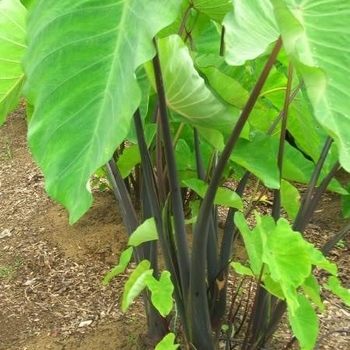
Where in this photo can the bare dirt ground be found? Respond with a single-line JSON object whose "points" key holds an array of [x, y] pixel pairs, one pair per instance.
{"points": [[50, 273]]}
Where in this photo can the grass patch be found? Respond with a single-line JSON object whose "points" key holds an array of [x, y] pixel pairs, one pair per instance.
{"points": [[9, 271]]}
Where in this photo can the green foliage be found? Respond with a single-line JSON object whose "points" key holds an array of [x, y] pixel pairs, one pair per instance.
{"points": [[85, 53], [335, 286], [167, 343], [250, 29], [345, 200], [186, 91], [10, 270], [175, 98], [304, 323], [146, 232], [136, 283], [224, 196], [290, 198], [286, 260], [321, 60], [124, 261], [162, 292], [12, 48]]}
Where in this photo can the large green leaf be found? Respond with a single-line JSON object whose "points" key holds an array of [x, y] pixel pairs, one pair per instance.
{"points": [[224, 196], [321, 54], [259, 157], [215, 9], [12, 48], [209, 40], [186, 91], [307, 132], [228, 88], [249, 29], [28, 3], [80, 67]]}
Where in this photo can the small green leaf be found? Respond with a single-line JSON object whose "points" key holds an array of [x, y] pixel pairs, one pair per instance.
{"points": [[252, 243], [162, 292], [167, 343], [214, 137], [335, 287], [146, 232], [127, 161], [318, 259], [136, 283], [312, 290], [290, 198], [345, 203], [123, 263], [304, 323], [184, 156], [224, 196], [228, 88], [272, 286], [241, 270]]}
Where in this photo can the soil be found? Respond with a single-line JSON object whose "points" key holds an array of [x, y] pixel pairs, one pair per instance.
{"points": [[51, 295]]}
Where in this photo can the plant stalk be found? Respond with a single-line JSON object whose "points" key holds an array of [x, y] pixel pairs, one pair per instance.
{"points": [[199, 313]]}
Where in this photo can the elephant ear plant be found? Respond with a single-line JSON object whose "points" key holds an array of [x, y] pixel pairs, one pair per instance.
{"points": [[176, 99]]}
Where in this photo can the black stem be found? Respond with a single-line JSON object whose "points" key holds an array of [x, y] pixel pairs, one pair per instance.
{"points": [[150, 187], [123, 197], [316, 198], [199, 311], [326, 248], [300, 221], [174, 185], [222, 42], [199, 158], [276, 209], [161, 185], [279, 117]]}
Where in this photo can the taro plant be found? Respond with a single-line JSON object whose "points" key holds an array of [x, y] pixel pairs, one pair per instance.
{"points": [[177, 99]]}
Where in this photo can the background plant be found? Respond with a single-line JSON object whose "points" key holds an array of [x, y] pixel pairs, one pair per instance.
{"points": [[201, 92]]}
